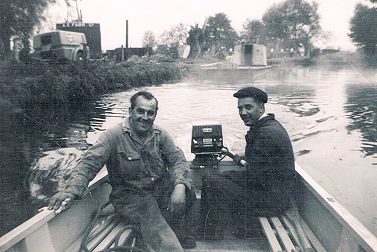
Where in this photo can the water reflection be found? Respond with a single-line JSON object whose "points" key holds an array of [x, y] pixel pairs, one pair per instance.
{"points": [[14, 168], [25, 135], [297, 98], [329, 116], [361, 107]]}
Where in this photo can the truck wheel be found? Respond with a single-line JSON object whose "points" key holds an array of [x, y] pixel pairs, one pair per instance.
{"points": [[80, 57]]}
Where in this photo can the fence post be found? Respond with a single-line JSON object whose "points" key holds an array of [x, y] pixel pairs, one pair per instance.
{"points": [[122, 58]]}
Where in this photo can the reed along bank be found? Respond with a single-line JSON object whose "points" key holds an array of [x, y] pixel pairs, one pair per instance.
{"points": [[47, 84]]}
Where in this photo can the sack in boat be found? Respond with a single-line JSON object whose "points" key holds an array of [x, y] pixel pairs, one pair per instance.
{"points": [[49, 172]]}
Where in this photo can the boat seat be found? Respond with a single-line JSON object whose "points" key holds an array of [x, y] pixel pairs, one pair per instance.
{"points": [[110, 231], [284, 234], [277, 236]]}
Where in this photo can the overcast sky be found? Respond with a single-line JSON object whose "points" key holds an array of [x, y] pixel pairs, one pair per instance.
{"points": [[160, 15]]}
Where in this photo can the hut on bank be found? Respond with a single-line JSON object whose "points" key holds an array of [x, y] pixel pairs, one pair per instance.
{"points": [[249, 55]]}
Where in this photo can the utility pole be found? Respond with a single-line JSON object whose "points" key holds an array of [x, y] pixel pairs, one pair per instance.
{"points": [[126, 33]]}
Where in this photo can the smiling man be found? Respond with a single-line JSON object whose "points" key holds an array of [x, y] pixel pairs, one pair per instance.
{"points": [[150, 178], [265, 187]]}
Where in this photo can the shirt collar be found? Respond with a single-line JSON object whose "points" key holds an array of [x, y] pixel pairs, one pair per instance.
{"points": [[126, 127], [262, 116], [262, 119]]}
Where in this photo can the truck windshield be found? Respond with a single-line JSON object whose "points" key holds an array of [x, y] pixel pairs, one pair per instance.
{"points": [[46, 40]]}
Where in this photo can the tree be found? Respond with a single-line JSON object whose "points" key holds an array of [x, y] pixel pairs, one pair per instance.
{"points": [[253, 32], [219, 35], [292, 25], [363, 27], [149, 39], [176, 35], [171, 39], [195, 40], [18, 19]]}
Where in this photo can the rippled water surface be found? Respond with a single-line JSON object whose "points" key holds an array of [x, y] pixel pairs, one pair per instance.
{"points": [[329, 112]]}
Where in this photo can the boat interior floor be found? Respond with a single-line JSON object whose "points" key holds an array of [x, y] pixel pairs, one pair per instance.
{"points": [[230, 243]]}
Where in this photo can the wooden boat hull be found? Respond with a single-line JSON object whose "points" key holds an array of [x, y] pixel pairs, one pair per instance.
{"points": [[328, 226]]}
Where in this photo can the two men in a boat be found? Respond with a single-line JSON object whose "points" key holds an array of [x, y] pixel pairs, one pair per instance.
{"points": [[136, 153], [150, 177], [265, 187]]}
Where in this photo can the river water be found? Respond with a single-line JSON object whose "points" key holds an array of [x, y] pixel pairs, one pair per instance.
{"points": [[329, 112]]}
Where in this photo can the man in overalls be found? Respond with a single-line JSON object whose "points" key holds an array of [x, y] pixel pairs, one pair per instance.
{"points": [[150, 177]]}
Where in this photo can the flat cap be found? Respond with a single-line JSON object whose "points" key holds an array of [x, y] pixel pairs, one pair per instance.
{"points": [[254, 92]]}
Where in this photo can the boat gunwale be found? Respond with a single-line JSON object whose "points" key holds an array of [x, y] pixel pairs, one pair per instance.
{"points": [[44, 216], [363, 236]]}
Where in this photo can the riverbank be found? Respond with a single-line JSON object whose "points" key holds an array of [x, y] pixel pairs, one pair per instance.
{"points": [[328, 110], [44, 84], [36, 102]]}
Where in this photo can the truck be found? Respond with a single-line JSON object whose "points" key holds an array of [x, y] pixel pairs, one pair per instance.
{"points": [[61, 46]]}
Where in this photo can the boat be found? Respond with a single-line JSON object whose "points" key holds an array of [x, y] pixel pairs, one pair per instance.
{"points": [[224, 70], [228, 66], [316, 222]]}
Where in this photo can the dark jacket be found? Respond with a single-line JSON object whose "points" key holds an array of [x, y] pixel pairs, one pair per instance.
{"points": [[270, 165]]}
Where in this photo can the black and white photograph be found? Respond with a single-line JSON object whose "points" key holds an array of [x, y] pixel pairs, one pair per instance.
{"points": [[198, 126]]}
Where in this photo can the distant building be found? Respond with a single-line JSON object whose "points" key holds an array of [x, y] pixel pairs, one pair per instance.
{"points": [[249, 55], [329, 50], [128, 52], [315, 52], [92, 33]]}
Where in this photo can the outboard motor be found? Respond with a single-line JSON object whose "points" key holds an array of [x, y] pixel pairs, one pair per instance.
{"points": [[206, 144]]}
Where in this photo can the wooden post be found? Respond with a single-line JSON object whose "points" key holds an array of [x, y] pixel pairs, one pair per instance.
{"points": [[122, 57]]}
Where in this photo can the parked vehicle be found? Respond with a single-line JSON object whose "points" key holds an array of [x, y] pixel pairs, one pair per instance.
{"points": [[61, 46]]}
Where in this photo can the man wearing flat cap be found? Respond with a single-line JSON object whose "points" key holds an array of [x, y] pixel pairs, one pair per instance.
{"points": [[265, 187]]}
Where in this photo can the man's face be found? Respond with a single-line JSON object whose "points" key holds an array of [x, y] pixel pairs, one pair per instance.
{"points": [[250, 111], [143, 115]]}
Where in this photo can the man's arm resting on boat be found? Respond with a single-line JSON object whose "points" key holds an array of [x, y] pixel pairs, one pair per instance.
{"points": [[61, 201]]}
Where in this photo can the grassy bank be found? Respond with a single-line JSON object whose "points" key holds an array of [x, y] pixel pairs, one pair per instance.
{"points": [[48, 84]]}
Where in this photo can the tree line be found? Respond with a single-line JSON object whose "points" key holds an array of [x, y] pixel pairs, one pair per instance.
{"points": [[363, 28], [291, 26]]}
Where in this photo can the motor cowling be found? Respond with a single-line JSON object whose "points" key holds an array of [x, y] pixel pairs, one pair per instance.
{"points": [[206, 143]]}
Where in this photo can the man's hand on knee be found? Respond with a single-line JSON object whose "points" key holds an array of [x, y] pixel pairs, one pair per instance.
{"points": [[177, 202]]}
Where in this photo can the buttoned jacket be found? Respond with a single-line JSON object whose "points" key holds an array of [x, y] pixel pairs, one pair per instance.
{"points": [[131, 162], [270, 159]]}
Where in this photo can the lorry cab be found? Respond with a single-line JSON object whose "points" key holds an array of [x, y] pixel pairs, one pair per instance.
{"points": [[61, 45]]}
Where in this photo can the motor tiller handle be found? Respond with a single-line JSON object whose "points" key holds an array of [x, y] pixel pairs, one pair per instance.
{"points": [[233, 156]]}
